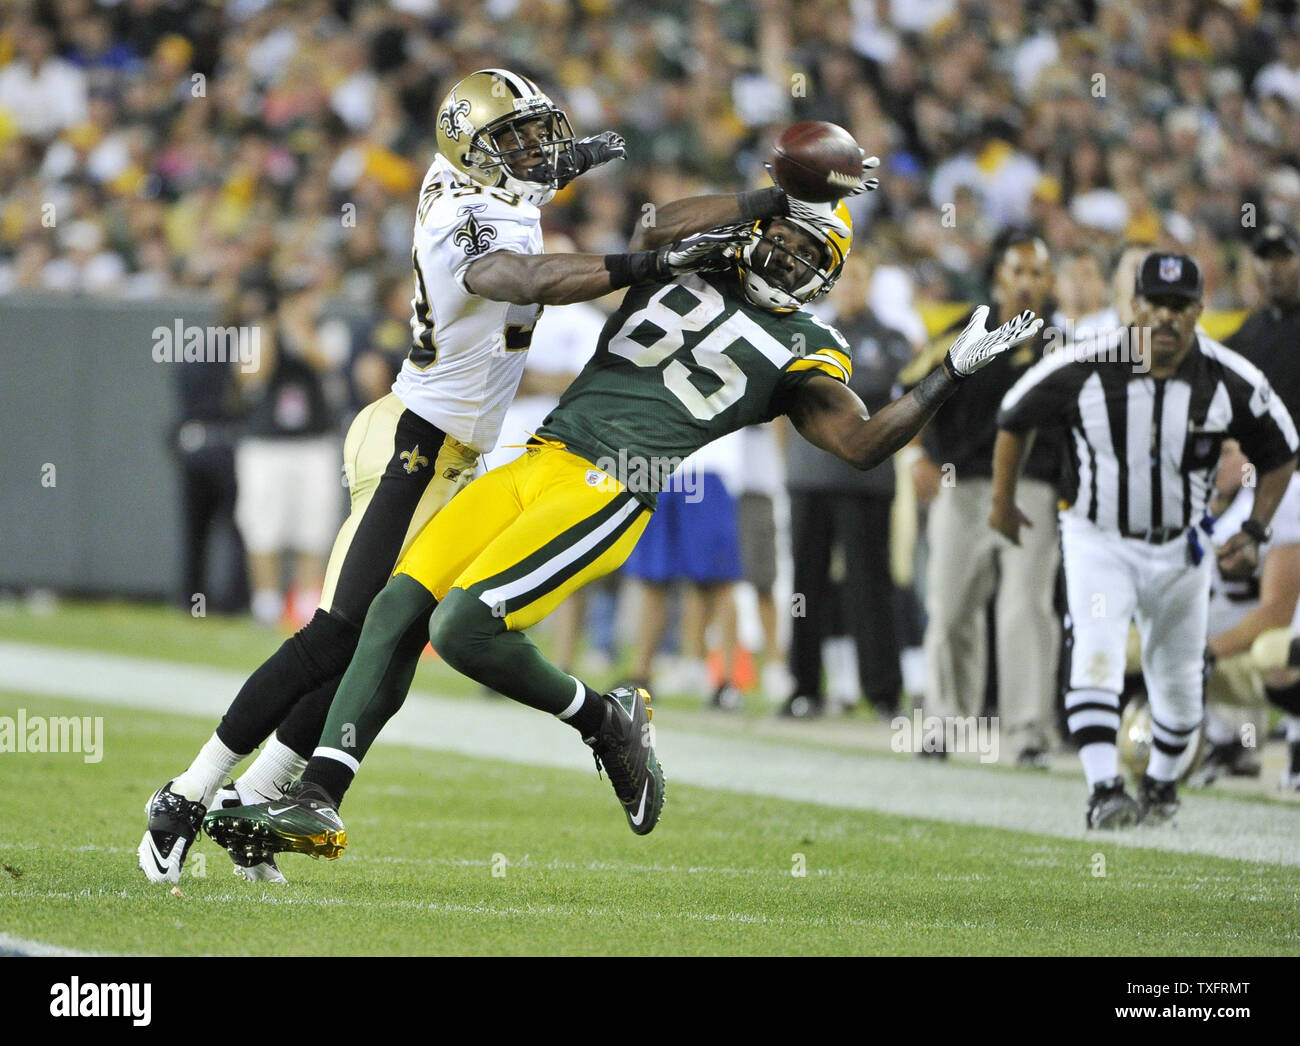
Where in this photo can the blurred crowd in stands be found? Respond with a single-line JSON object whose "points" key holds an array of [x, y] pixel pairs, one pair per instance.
{"points": [[268, 154], [178, 143]]}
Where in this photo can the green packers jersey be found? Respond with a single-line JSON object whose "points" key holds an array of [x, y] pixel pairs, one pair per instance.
{"points": [[681, 364]]}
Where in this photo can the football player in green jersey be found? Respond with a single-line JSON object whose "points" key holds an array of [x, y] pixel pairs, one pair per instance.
{"points": [[682, 362]]}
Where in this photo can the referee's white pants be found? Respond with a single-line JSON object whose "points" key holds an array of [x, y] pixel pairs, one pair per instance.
{"points": [[1111, 580], [969, 563]]}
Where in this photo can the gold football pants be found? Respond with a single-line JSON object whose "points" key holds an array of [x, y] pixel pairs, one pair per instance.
{"points": [[523, 537]]}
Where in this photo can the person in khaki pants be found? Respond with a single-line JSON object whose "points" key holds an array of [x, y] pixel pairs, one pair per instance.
{"points": [[969, 564]]}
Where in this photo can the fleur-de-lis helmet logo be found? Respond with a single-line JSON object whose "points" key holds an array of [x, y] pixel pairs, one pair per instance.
{"points": [[453, 120]]}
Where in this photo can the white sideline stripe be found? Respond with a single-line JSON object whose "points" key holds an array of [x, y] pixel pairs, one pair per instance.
{"points": [[255, 903], [953, 792], [11, 945], [495, 596], [338, 756]]}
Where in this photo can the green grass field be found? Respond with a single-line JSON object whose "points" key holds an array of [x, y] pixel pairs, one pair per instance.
{"points": [[451, 854]]}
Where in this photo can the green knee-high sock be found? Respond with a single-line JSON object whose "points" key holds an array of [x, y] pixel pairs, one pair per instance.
{"points": [[375, 684], [475, 642]]}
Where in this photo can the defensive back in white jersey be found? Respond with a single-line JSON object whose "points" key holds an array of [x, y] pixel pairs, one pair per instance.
{"points": [[468, 352], [1232, 600]]}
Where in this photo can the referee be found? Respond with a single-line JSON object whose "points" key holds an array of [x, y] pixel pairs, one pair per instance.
{"points": [[1144, 431]]}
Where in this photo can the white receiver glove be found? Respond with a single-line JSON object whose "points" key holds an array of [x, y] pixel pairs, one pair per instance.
{"points": [[704, 252], [815, 214], [868, 184], [975, 347]]}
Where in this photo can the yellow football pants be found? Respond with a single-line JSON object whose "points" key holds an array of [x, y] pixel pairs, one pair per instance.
{"points": [[524, 536]]}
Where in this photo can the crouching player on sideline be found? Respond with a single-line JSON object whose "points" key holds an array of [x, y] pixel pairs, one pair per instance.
{"points": [[1276, 656], [679, 365], [1242, 610]]}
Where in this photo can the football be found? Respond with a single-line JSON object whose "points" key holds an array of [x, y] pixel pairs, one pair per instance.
{"points": [[816, 161]]}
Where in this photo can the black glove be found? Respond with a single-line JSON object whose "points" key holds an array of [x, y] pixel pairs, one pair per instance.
{"points": [[591, 152]]}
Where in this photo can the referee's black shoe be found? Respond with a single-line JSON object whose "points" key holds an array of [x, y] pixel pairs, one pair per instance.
{"points": [[1158, 800], [1110, 806]]}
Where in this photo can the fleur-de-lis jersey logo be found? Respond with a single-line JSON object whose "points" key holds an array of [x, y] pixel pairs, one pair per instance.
{"points": [[414, 459], [474, 236], [453, 119]]}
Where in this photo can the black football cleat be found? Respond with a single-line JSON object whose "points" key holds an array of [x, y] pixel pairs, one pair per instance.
{"points": [[265, 871], [174, 822], [801, 706], [623, 748], [1110, 806], [727, 698], [302, 821], [1157, 800], [1232, 759]]}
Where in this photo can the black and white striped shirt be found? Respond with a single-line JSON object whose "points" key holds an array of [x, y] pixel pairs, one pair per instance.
{"points": [[1144, 450]]}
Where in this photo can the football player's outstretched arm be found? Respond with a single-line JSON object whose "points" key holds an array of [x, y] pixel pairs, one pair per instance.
{"points": [[681, 218], [542, 279], [829, 415], [697, 213], [560, 279]]}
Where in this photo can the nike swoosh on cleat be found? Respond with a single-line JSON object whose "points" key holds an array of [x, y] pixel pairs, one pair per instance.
{"points": [[158, 858], [640, 813], [272, 812]]}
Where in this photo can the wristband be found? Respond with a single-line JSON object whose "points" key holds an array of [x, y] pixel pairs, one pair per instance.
{"points": [[762, 203], [1257, 532], [626, 269], [934, 388]]}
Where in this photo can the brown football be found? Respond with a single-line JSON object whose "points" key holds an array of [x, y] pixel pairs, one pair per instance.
{"points": [[816, 161]]}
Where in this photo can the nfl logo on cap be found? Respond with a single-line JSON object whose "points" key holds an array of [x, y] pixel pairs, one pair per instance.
{"points": [[1169, 276]]}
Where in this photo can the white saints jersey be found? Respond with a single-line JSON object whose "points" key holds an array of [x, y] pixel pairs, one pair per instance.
{"points": [[1231, 600], [468, 352]]}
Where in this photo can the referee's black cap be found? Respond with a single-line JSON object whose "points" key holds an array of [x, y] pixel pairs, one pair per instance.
{"points": [[1169, 276], [1276, 235]]}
